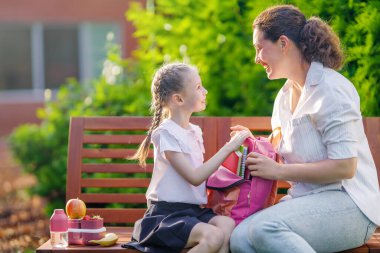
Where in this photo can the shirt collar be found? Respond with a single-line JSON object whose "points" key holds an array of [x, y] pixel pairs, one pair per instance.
{"points": [[315, 74], [313, 77], [174, 127]]}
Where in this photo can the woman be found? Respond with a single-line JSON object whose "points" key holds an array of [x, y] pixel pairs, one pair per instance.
{"points": [[334, 201]]}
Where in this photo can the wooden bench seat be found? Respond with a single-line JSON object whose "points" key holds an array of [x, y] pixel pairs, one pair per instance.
{"points": [[125, 234], [114, 188]]}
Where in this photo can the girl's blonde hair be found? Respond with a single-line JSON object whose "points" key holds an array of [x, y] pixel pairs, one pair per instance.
{"points": [[314, 37], [169, 79]]}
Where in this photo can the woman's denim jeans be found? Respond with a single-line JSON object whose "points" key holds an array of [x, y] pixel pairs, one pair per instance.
{"points": [[324, 222]]}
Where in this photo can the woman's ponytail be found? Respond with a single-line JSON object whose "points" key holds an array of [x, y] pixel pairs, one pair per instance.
{"points": [[318, 42]]}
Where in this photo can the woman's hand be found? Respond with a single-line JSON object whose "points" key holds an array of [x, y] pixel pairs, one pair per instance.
{"points": [[237, 128], [237, 140], [262, 166]]}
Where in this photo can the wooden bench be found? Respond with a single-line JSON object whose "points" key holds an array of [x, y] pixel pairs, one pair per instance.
{"points": [[98, 174]]}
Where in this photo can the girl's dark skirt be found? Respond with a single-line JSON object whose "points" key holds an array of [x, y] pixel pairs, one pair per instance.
{"points": [[166, 226]]}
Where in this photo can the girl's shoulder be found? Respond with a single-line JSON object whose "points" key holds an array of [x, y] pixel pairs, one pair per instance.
{"points": [[197, 130]]}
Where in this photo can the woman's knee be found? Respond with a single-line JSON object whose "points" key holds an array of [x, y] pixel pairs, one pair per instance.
{"points": [[263, 233], [239, 241], [255, 235]]}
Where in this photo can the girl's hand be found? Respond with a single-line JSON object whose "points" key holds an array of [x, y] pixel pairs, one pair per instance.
{"points": [[238, 139], [237, 128], [262, 166]]}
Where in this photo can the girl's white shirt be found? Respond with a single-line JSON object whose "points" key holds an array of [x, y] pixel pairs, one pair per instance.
{"points": [[166, 184], [327, 124]]}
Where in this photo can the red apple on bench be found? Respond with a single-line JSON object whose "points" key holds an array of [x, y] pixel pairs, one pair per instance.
{"points": [[75, 209]]}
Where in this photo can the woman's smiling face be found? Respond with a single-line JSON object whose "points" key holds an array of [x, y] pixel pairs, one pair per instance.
{"points": [[268, 54]]}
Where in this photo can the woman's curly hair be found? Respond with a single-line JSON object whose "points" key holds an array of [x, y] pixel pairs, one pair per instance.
{"points": [[314, 37]]}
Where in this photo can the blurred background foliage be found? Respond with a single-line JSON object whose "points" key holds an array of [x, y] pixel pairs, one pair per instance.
{"points": [[216, 37]]}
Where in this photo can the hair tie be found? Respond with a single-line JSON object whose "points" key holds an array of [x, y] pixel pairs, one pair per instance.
{"points": [[305, 23]]}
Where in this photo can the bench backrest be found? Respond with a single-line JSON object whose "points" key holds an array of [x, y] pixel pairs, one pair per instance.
{"points": [[114, 188]]}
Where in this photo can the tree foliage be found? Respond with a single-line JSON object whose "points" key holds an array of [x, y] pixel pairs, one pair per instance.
{"points": [[216, 37]]}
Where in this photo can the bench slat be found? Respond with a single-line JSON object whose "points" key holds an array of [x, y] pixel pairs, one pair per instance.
{"points": [[115, 182], [283, 185], [116, 168], [112, 139], [110, 153], [74, 158], [117, 215], [253, 123], [116, 123], [278, 197], [372, 131], [113, 197]]}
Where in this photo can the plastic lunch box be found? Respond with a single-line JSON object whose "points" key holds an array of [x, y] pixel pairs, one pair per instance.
{"points": [[82, 231]]}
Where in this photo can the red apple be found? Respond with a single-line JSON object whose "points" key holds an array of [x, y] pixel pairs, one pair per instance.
{"points": [[75, 209]]}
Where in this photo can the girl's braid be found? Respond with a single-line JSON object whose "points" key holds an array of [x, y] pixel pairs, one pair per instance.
{"points": [[157, 106]]}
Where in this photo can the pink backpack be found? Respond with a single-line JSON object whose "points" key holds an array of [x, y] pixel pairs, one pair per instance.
{"points": [[231, 195]]}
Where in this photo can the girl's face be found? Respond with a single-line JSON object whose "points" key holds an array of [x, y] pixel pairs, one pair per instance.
{"points": [[269, 55], [194, 94]]}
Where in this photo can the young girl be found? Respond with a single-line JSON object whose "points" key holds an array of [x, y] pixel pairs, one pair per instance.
{"points": [[175, 219]]}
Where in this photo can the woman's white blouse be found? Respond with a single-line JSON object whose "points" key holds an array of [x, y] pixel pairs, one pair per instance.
{"points": [[327, 124], [166, 184]]}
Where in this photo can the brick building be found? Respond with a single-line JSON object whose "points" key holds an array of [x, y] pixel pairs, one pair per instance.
{"points": [[43, 42]]}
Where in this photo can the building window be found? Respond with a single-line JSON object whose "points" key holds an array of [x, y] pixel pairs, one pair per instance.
{"points": [[15, 57], [60, 54], [40, 56]]}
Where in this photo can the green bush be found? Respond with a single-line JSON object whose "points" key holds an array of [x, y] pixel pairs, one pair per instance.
{"points": [[42, 149], [216, 36]]}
